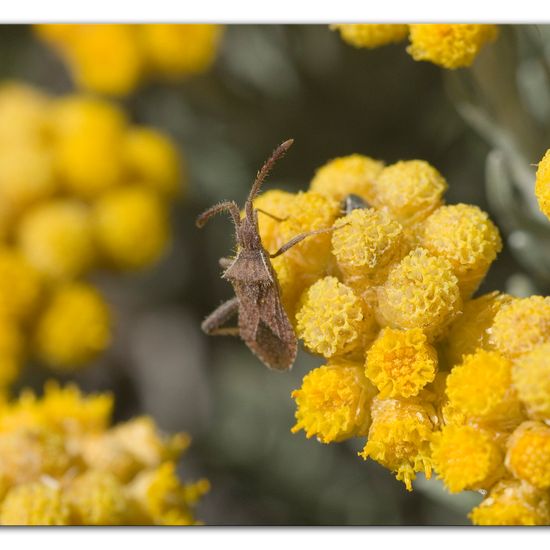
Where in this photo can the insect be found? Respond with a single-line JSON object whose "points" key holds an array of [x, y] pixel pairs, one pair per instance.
{"points": [[262, 321]]}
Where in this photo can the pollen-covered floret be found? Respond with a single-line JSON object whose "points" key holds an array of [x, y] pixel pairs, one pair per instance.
{"points": [[521, 324], [332, 320], [531, 376], [365, 244], [528, 456], [401, 362], [399, 437], [130, 215], [37, 503], [371, 35], [57, 238], [74, 328], [512, 502], [471, 330], [542, 184], [481, 388], [420, 292], [411, 190], [466, 458], [353, 174], [334, 402], [464, 235], [447, 45]]}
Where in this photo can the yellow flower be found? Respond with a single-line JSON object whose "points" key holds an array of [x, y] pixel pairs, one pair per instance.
{"points": [[466, 458], [74, 327], [333, 403], [420, 292], [367, 242], [180, 50], [277, 203], [11, 352], [401, 362], [26, 176], [23, 116], [353, 174], [464, 235], [542, 184], [521, 325], [399, 438], [411, 190], [105, 59], [56, 237], [471, 330], [97, 498], [450, 46], [370, 35], [88, 144], [20, 285], [150, 157], [332, 320], [531, 376], [528, 456], [130, 215], [38, 503], [512, 502], [163, 499], [481, 388]]}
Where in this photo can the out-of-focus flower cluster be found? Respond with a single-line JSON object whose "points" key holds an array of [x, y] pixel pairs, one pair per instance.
{"points": [[80, 189], [448, 45], [62, 463], [116, 59], [434, 379], [542, 184]]}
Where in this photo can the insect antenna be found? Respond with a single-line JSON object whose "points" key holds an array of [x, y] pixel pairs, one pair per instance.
{"points": [[264, 171]]}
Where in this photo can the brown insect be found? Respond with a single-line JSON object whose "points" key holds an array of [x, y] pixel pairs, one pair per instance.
{"points": [[262, 321]]}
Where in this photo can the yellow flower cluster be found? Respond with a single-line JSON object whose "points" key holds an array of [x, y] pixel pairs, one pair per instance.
{"points": [[116, 59], [80, 187], [448, 45], [434, 379], [64, 464], [542, 184]]}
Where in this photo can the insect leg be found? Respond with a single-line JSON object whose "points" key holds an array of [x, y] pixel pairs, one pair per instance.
{"points": [[272, 216], [298, 238], [212, 324], [230, 206]]}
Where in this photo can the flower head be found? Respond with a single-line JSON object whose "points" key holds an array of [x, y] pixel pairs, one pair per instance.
{"points": [[401, 362], [333, 403], [332, 320], [531, 376], [450, 46], [521, 324], [464, 235], [353, 174], [420, 292], [399, 438], [512, 502], [130, 215], [371, 35], [528, 456], [411, 190], [57, 238], [74, 328], [542, 184], [466, 458]]}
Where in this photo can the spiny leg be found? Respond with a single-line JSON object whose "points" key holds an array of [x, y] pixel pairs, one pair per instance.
{"points": [[230, 206], [298, 238], [272, 216], [212, 324]]}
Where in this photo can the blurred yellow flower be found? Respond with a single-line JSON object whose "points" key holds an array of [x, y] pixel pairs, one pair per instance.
{"points": [[74, 327], [371, 35]]}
